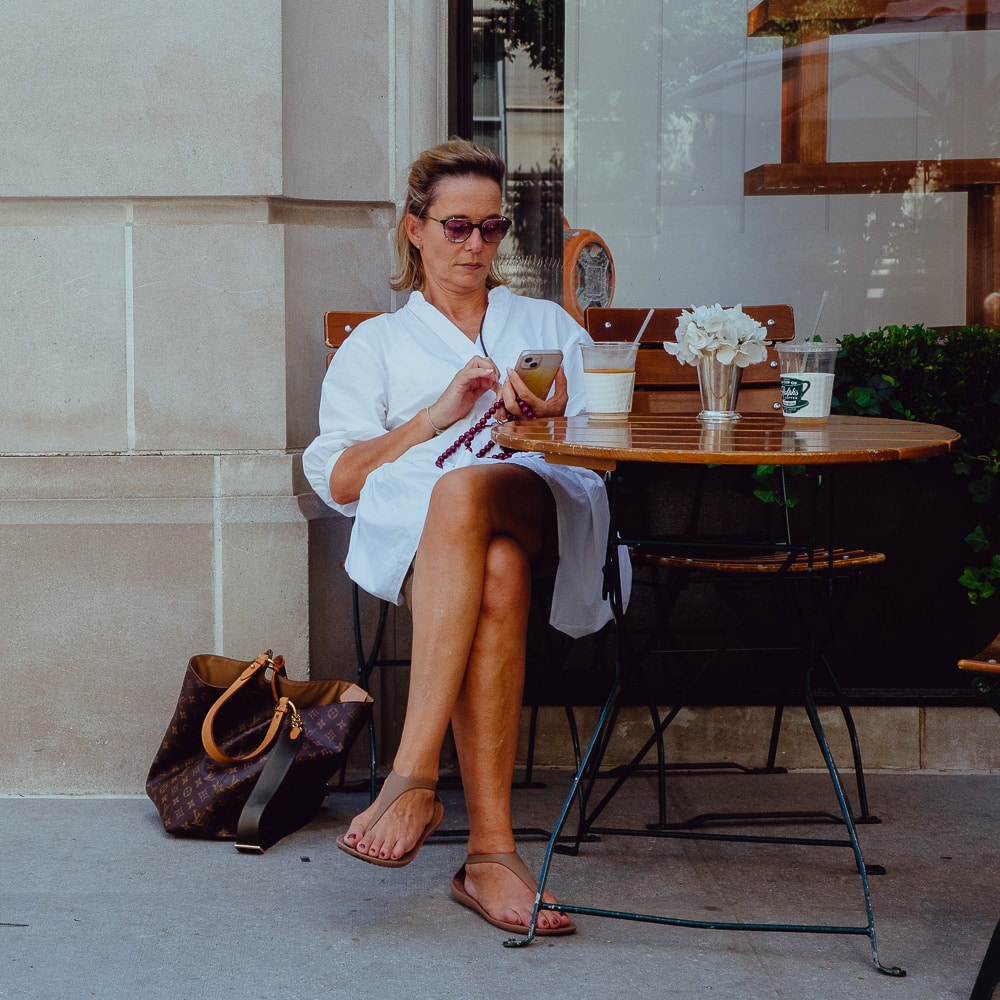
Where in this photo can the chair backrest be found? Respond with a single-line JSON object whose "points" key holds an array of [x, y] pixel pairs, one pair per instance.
{"points": [[663, 385], [337, 326]]}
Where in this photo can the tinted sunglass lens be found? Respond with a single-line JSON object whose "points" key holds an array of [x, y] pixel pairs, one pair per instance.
{"points": [[458, 230], [494, 230]]}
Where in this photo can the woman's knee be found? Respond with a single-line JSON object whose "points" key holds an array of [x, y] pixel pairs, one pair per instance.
{"points": [[457, 498], [479, 505]]}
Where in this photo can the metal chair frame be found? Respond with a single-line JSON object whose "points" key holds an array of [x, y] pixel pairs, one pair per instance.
{"points": [[781, 565]]}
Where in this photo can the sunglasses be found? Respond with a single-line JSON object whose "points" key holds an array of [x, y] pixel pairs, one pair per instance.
{"points": [[459, 230]]}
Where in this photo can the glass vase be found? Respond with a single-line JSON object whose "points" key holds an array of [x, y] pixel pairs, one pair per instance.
{"points": [[719, 385]]}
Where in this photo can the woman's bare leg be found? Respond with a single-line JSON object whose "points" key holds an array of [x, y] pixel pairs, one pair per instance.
{"points": [[487, 713], [469, 508], [485, 724]]}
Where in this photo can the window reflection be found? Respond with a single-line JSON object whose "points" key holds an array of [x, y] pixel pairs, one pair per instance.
{"points": [[847, 164], [515, 82]]}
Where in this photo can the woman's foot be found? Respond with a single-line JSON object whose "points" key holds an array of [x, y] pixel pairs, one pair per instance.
{"points": [[502, 891], [394, 827]]}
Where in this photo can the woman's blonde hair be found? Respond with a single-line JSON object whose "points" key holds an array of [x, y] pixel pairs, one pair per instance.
{"points": [[455, 158]]}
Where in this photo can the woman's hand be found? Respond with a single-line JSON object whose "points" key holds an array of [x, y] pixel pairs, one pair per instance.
{"points": [[514, 389], [469, 383]]}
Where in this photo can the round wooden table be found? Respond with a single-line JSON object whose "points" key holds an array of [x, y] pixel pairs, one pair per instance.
{"points": [[755, 439]]}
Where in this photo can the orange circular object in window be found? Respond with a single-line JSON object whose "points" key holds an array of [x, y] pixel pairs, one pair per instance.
{"points": [[588, 271]]}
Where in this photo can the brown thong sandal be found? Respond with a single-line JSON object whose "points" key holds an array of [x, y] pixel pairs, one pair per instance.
{"points": [[394, 786], [512, 862]]}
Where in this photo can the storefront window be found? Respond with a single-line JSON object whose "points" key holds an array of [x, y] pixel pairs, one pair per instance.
{"points": [[842, 156], [507, 95], [646, 122]]}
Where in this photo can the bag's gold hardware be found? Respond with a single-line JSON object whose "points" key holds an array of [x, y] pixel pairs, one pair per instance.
{"points": [[296, 721], [271, 668], [249, 849]]}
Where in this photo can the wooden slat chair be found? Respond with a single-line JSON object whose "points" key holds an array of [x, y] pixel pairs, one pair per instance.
{"points": [[985, 670], [337, 327], [663, 385]]}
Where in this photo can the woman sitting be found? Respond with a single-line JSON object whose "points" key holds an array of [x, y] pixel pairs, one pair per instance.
{"points": [[462, 528]]}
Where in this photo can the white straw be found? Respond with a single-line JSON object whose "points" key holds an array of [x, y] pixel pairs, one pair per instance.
{"points": [[645, 323], [822, 302]]}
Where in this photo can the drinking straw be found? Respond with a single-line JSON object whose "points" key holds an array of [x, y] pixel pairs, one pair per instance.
{"points": [[642, 329], [819, 313]]}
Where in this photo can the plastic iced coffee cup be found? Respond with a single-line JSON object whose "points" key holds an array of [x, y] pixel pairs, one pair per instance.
{"points": [[806, 379], [608, 378]]}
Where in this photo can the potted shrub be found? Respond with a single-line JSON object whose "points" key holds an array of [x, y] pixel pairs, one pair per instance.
{"points": [[954, 379], [937, 520]]}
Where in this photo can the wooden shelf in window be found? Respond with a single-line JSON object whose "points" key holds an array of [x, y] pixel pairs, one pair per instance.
{"points": [[805, 27], [788, 17], [872, 177]]}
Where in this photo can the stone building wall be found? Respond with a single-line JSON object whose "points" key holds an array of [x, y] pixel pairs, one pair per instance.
{"points": [[185, 189]]}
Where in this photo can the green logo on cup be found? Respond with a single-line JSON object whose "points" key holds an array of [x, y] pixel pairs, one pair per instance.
{"points": [[793, 393]]}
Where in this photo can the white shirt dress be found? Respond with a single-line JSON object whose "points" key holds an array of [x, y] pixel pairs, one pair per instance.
{"points": [[388, 370]]}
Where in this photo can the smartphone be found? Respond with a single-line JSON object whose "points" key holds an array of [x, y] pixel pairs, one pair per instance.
{"points": [[538, 370]]}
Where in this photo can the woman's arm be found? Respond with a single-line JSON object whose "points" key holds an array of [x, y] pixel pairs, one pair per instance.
{"points": [[357, 461]]}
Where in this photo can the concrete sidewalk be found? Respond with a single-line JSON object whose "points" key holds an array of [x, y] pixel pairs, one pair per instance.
{"points": [[96, 901]]}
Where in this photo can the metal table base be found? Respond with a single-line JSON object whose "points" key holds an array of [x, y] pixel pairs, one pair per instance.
{"points": [[589, 768]]}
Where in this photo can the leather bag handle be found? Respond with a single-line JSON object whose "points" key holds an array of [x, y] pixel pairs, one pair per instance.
{"points": [[281, 708]]}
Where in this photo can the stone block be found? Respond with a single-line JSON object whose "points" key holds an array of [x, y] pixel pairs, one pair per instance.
{"points": [[264, 590], [209, 337], [117, 570], [338, 150], [113, 99], [961, 739], [328, 267], [102, 619], [63, 377]]}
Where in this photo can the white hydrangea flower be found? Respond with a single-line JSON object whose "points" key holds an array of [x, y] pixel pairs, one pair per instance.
{"points": [[730, 335]]}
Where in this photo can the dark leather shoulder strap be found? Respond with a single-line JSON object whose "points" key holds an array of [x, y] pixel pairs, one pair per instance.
{"points": [[250, 838]]}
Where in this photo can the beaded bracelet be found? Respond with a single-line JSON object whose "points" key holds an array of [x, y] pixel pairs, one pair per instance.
{"points": [[468, 437]]}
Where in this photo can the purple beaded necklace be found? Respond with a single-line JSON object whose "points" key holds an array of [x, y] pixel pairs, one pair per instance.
{"points": [[480, 425]]}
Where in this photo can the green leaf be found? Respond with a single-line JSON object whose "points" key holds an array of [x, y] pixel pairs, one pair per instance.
{"points": [[979, 539]]}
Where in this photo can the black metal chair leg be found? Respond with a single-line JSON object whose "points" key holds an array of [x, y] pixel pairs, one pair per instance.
{"points": [[989, 971], [785, 687], [659, 727], [529, 766], [365, 661], [574, 734]]}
